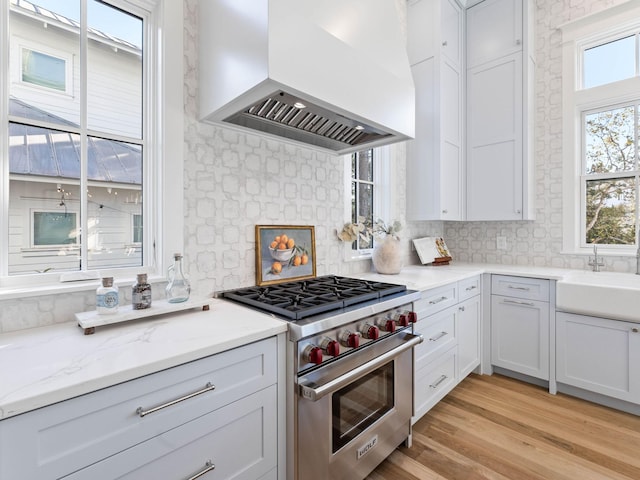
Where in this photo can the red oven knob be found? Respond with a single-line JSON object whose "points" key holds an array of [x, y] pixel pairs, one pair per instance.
{"points": [[402, 320], [330, 347], [413, 317], [389, 326], [350, 339], [312, 354], [371, 332]]}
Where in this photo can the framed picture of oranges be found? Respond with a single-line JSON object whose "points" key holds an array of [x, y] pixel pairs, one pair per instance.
{"points": [[284, 253]]}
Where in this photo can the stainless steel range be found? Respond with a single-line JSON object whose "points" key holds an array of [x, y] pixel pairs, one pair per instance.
{"points": [[350, 364]]}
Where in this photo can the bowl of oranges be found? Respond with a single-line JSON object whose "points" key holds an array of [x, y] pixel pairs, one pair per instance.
{"points": [[281, 248]]}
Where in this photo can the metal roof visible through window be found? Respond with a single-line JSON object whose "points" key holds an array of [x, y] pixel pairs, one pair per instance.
{"points": [[55, 153]]}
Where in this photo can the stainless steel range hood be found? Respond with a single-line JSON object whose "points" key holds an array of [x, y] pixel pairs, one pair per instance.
{"points": [[332, 75]]}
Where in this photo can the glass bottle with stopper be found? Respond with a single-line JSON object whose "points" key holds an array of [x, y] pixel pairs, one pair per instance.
{"points": [[178, 289]]}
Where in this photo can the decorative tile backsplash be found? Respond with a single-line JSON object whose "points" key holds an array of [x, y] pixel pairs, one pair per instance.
{"points": [[234, 181]]}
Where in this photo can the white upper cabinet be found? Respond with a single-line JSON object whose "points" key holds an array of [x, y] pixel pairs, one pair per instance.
{"points": [[494, 29], [499, 147], [435, 157]]}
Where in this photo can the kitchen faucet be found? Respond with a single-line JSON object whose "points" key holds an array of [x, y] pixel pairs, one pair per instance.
{"points": [[595, 263]]}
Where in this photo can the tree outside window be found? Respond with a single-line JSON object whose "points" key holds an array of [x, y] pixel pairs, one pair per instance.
{"points": [[611, 175]]}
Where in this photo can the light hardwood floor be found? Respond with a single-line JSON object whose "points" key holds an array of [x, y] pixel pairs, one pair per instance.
{"points": [[494, 427]]}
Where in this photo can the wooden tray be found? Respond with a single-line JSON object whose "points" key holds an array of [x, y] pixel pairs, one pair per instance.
{"points": [[90, 320]]}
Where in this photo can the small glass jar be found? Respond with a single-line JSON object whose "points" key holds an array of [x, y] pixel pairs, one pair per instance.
{"points": [[107, 300], [141, 293], [178, 289]]}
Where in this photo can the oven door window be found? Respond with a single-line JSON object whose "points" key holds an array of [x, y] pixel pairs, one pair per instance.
{"points": [[360, 404]]}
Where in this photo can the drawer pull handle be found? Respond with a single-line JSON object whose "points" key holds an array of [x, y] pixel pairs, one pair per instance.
{"points": [[526, 289], [438, 337], [207, 388], [472, 287], [207, 468], [634, 330], [438, 382], [516, 302], [441, 299]]}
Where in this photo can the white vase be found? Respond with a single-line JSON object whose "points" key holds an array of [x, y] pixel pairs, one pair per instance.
{"points": [[387, 257]]}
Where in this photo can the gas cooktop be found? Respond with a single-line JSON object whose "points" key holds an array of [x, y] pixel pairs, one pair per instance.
{"points": [[304, 298]]}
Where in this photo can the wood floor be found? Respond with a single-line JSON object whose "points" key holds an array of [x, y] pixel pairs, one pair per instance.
{"points": [[493, 427]]}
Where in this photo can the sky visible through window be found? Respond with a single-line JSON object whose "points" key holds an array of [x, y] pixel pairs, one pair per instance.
{"points": [[610, 62], [100, 16]]}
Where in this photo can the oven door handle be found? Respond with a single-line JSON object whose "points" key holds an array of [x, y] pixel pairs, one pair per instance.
{"points": [[316, 393]]}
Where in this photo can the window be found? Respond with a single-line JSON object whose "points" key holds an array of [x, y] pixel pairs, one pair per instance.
{"points": [[601, 102], [86, 172], [44, 70], [362, 193], [369, 182], [137, 228], [54, 228]]}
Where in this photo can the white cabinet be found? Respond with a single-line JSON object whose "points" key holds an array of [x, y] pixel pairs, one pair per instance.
{"points": [[500, 68], [449, 321], [165, 425], [520, 318], [599, 355], [435, 156]]}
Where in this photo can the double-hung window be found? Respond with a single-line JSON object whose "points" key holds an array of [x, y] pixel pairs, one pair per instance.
{"points": [[83, 137], [369, 184], [601, 98]]}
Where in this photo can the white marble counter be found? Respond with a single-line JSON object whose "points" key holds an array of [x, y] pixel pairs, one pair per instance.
{"points": [[424, 277], [45, 365]]}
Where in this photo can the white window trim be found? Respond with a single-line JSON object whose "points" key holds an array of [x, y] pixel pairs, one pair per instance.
{"points": [[576, 36], [165, 143], [383, 194], [32, 215]]}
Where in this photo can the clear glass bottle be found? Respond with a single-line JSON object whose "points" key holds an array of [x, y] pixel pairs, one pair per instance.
{"points": [[107, 300], [141, 293], [178, 288]]}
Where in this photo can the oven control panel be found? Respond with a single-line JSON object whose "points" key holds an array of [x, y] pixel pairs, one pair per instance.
{"points": [[339, 341]]}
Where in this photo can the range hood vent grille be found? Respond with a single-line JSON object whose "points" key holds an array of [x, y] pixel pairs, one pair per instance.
{"points": [[286, 115]]}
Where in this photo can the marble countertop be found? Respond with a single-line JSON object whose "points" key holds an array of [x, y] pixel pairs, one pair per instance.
{"points": [[41, 366], [423, 277]]}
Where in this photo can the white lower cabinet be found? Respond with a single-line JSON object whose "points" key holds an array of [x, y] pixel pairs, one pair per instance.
{"points": [[168, 424], [599, 355], [449, 321], [520, 318]]}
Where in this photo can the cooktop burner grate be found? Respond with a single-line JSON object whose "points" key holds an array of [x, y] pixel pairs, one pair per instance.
{"points": [[305, 298]]}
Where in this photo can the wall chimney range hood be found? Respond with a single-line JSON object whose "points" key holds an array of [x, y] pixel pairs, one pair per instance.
{"points": [[331, 75]]}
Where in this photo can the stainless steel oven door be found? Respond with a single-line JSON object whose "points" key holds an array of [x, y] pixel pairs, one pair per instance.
{"points": [[353, 413]]}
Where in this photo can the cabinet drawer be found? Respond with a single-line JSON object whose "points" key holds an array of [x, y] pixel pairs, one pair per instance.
{"points": [[433, 382], [436, 299], [469, 287], [520, 287], [237, 439], [439, 334], [86, 429]]}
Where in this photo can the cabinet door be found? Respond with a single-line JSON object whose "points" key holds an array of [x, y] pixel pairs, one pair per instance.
{"points": [[468, 336], [520, 335], [421, 36], [494, 29], [599, 355], [494, 136], [451, 31], [439, 332]]}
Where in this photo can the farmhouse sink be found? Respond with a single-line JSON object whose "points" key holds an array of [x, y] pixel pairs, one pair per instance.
{"points": [[601, 294]]}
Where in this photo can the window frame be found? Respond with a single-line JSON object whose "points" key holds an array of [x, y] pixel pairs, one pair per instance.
{"points": [[164, 141], [578, 36], [383, 190], [32, 216]]}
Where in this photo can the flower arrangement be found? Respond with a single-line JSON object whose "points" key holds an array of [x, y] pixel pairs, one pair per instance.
{"points": [[364, 229]]}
